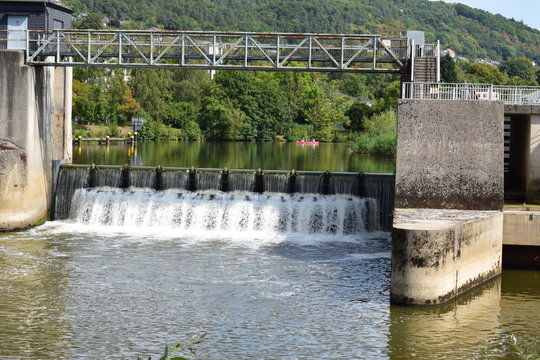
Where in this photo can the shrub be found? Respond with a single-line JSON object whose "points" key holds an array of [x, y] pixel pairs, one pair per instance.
{"points": [[299, 131]]}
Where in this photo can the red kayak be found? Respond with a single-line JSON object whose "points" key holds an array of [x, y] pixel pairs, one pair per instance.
{"points": [[307, 143]]}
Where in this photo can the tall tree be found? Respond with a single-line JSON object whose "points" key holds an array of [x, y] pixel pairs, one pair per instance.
{"points": [[448, 69], [520, 67]]}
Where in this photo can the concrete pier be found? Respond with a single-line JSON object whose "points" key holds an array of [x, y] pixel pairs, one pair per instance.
{"points": [[448, 225], [35, 133], [440, 254]]}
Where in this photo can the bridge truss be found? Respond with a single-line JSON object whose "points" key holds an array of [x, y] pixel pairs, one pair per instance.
{"points": [[218, 50]]}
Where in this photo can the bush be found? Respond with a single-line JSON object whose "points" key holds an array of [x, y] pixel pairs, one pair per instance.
{"points": [[113, 130], [299, 132], [379, 136], [154, 130]]}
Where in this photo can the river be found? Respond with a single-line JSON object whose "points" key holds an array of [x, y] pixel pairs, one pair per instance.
{"points": [[82, 289]]}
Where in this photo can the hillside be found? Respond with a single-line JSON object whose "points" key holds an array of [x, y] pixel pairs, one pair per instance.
{"points": [[470, 32]]}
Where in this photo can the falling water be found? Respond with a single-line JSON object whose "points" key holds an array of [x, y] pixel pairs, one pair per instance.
{"points": [[217, 211], [170, 186]]}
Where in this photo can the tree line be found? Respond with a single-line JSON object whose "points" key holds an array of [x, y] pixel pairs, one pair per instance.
{"points": [[235, 105]]}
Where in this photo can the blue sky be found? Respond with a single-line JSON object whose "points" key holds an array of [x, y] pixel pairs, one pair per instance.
{"points": [[526, 10]]}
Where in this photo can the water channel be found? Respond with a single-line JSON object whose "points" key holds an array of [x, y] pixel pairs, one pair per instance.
{"points": [[91, 288]]}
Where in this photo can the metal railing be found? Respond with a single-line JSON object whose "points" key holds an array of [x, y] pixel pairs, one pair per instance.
{"points": [[509, 95], [426, 50], [217, 50]]}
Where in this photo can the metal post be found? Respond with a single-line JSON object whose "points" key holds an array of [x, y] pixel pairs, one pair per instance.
{"points": [[57, 46], [438, 61], [310, 49], [125, 177], [192, 180], [224, 180], [214, 51], [258, 185], [183, 49], [325, 183], [291, 182], [27, 44], [375, 39], [89, 50], [246, 37], [412, 60], [91, 178], [342, 51], [158, 183], [120, 36], [361, 188], [278, 43], [151, 48]]}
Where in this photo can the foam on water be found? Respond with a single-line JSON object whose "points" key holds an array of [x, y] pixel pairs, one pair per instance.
{"points": [[236, 217]]}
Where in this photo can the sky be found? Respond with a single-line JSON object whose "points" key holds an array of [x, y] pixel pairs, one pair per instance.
{"points": [[526, 10]]}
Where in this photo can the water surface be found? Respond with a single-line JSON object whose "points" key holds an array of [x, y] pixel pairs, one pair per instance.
{"points": [[76, 291], [233, 155]]}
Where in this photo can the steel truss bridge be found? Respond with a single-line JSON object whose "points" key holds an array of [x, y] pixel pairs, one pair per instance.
{"points": [[218, 50]]}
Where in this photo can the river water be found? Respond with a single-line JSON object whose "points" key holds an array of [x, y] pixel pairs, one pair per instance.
{"points": [[233, 155], [91, 287]]}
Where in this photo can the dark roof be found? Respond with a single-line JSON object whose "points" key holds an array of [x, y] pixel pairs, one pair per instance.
{"points": [[52, 2]]}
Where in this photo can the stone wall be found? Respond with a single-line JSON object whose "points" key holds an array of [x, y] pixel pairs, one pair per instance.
{"points": [[450, 155]]}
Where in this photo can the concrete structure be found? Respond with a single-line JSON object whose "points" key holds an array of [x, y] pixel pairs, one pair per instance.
{"points": [[450, 155], [523, 144], [521, 238], [447, 235], [35, 133], [440, 254]]}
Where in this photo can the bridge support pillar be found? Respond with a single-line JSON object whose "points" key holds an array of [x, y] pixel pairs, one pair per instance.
{"points": [[35, 135], [448, 227]]}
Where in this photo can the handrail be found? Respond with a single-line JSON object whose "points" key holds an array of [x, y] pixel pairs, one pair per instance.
{"points": [[508, 94]]}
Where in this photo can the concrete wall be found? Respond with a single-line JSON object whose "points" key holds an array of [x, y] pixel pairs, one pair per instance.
{"points": [[32, 116], [450, 155], [533, 176], [522, 228], [438, 255]]}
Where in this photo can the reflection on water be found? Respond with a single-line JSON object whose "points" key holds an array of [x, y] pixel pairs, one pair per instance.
{"points": [[474, 326], [81, 292], [233, 155], [33, 281]]}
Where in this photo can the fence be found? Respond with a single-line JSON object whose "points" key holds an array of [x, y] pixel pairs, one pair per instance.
{"points": [[510, 95]]}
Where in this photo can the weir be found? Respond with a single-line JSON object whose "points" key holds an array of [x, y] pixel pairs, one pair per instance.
{"points": [[341, 203]]}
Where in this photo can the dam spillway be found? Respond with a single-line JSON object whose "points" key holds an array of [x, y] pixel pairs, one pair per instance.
{"points": [[225, 200]]}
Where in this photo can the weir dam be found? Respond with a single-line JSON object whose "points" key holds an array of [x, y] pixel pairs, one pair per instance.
{"points": [[221, 200]]}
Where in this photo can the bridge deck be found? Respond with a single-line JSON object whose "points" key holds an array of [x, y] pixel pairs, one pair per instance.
{"points": [[217, 50]]}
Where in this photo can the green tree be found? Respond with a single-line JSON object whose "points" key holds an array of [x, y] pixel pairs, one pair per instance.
{"points": [[89, 104], [90, 21], [152, 90], [259, 97], [218, 118], [483, 73], [448, 69], [520, 67], [129, 106]]}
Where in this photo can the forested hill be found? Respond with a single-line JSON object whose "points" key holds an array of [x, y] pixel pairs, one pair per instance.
{"points": [[470, 32]]}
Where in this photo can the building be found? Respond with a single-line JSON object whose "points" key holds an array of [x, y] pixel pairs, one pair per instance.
{"points": [[17, 16]]}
